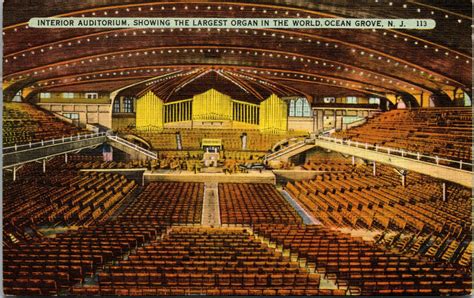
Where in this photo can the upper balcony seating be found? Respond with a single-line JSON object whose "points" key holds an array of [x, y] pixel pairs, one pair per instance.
{"points": [[23, 123], [443, 132]]}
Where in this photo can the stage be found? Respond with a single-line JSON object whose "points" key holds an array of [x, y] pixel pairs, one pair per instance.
{"points": [[253, 176]]}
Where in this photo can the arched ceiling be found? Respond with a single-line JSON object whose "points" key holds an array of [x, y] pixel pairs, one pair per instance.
{"points": [[177, 62]]}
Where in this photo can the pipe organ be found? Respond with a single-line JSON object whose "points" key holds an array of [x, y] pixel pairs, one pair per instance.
{"points": [[273, 115], [178, 111], [149, 112], [245, 112], [212, 107]]}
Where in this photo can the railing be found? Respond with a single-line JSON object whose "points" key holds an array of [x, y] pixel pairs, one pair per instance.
{"points": [[44, 143], [355, 123], [460, 164], [134, 146], [285, 150], [328, 131]]}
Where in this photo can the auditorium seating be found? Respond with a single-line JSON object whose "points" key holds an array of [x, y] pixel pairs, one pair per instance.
{"points": [[413, 219], [245, 203], [380, 201], [212, 261], [59, 197], [68, 199], [364, 268], [443, 132], [99, 233], [171, 202], [52, 266], [329, 163], [95, 161], [191, 138], [23, 123]]}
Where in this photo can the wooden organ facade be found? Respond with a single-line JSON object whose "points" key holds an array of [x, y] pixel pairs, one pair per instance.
{"points": [[212, 109]]}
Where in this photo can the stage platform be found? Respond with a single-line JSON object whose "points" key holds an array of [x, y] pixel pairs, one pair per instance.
{"points": [[253, 176]]}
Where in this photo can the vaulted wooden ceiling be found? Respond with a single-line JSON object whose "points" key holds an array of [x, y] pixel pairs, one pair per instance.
{"points": [[247, 64]]}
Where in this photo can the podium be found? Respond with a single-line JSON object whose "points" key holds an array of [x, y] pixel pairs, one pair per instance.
{"points": [[210, 158]]}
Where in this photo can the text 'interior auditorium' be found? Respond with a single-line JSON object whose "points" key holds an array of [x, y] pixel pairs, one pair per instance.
{"points": [[234, 161]]}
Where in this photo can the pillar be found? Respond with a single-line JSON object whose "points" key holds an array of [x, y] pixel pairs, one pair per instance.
{"points": [[320, 120], [14, 173], [44, 165], [353, 160], [444, 191], [65, 158], [374, 169], [338, 124], [315, 121]]}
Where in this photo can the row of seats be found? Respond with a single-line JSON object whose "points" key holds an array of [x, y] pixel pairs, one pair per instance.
{"points": [[329, 163], [165, 291], [245, 203]]}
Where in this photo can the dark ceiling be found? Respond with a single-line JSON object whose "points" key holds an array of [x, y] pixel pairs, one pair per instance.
{"points": [[247, 64]]}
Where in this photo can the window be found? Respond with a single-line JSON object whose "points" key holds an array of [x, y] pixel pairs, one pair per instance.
{"points": [[351, 99], [68, 95], [329, 100], [128, 105], [18, 96], [45, 95], [467, 100], [92, 95], [117, 105], [300, 108], [72, 116], [374, 100]]}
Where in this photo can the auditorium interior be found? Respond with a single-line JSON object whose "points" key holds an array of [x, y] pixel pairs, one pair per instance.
{"points": [[237, 162]]}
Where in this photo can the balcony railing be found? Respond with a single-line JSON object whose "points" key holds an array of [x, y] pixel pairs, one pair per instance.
{"points": [[51, 142], [460, 164]]}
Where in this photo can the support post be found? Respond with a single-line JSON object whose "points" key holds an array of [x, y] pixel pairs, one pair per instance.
{"points": [[44, 165], [353, 160], [374, 169], [14, 173], [444, 191], [65, 158], [404, 177]]}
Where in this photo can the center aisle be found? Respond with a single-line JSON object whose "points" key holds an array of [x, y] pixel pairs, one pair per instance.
{"points": [[211, 212]]}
